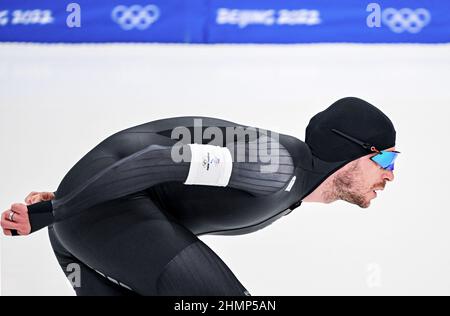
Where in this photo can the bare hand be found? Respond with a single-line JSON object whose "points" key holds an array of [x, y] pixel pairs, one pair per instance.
{"points": [[35, 197], [20, 220]]}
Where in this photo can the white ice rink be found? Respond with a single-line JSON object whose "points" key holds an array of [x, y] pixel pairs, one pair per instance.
{"points": [[59, 101]]}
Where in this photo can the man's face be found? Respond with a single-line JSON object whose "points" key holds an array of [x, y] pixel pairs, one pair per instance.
{"points": [[357, 182]]}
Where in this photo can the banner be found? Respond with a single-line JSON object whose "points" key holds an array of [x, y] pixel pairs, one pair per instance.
{"points": [[225, 21]]}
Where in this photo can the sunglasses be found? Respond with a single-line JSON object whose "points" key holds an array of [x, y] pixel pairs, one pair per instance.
{"points": [[385, 159]]}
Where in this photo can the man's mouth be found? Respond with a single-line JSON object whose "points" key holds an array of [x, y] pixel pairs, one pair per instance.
{"points": [[375, 191]]}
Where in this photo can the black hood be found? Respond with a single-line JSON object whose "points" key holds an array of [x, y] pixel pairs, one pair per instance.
{"points": [[354, 117]]}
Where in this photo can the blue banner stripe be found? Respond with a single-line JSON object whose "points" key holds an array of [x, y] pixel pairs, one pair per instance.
{"points": [[225, 21]]}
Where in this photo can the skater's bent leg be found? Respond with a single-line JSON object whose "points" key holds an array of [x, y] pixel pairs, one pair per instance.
{"points": [[133, 242], [85, 281]]}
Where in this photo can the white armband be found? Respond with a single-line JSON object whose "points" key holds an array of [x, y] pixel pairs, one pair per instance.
{"points": [[210, 165]]}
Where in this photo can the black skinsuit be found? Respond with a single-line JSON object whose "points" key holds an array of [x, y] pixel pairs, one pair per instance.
{"points": [[123, 214]]}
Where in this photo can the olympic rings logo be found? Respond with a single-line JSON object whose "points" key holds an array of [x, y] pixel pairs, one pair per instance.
{"points": [[135, 16], [406, 19]]}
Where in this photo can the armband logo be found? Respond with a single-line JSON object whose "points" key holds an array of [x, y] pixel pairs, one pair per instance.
{"points": [[208, 161]]}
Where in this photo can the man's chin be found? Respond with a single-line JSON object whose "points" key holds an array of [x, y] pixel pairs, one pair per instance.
{"points": [[365, 205], [367, 200], [361, 203]]}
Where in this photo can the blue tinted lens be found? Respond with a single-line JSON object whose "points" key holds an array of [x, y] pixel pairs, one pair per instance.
{"points": [[390, 167], [386, 159]]}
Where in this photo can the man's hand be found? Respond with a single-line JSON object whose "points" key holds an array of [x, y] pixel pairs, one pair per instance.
{"points": [[16, 218], [35, 197]]}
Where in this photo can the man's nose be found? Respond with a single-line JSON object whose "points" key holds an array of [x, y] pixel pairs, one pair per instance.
{"points": [[388, 175]]}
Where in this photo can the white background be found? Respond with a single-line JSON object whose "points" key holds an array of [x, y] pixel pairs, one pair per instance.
{"points": [[57, 102]]}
